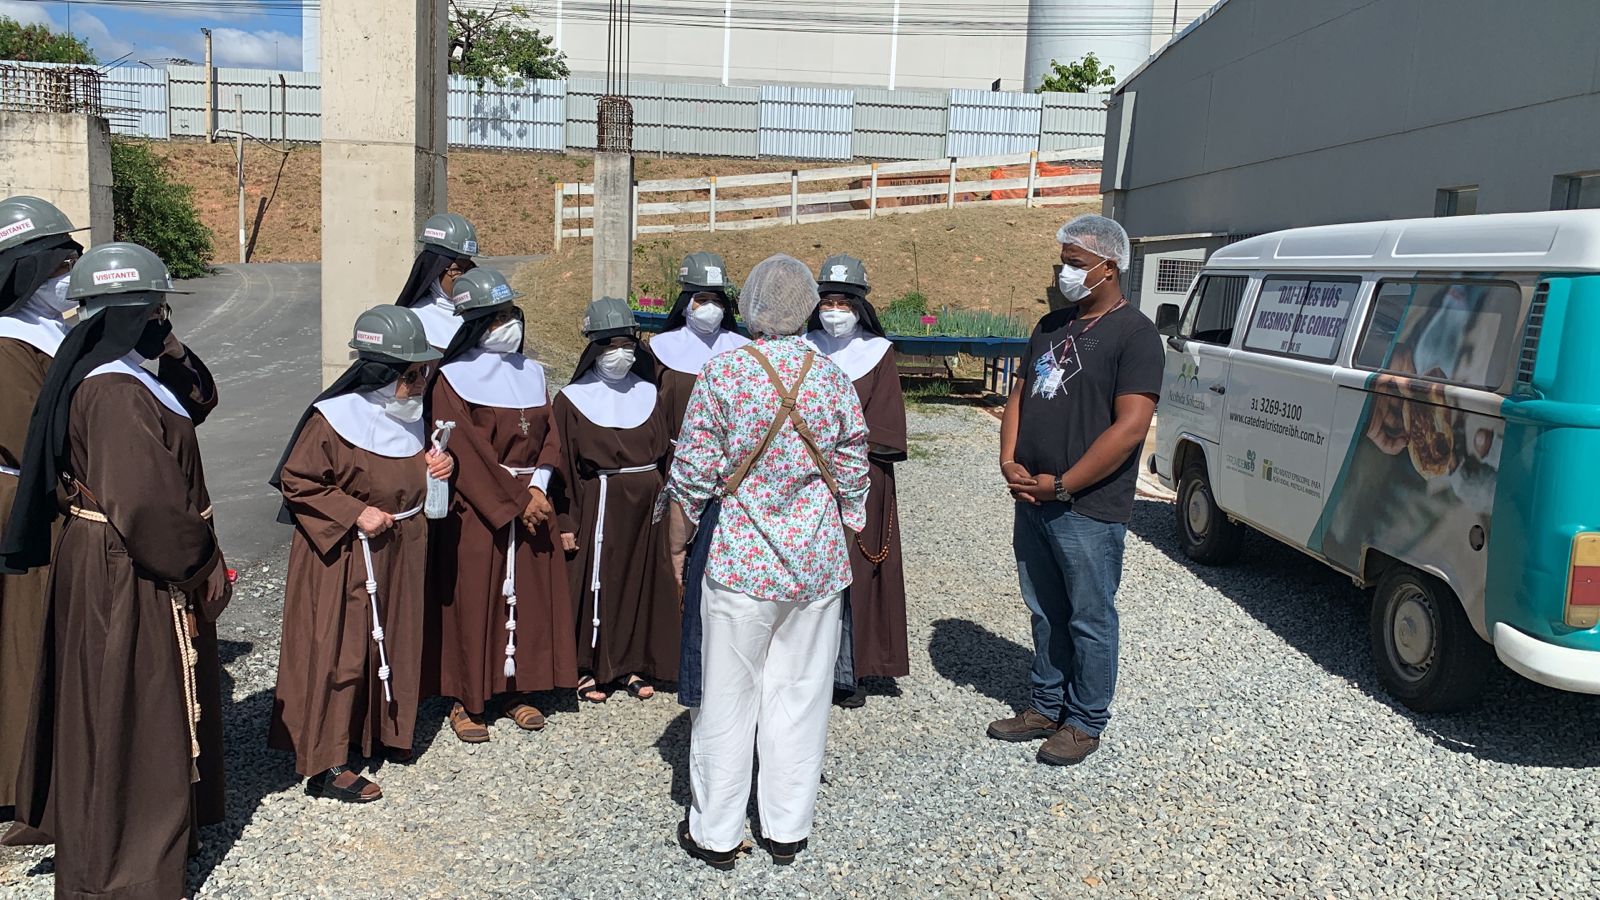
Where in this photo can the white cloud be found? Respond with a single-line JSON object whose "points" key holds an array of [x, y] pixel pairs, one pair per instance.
{"points": [[26, 13], [261, 49], [106, 45]]}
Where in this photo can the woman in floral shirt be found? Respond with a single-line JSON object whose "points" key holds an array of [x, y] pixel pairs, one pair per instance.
{"points": [[778, 481]]}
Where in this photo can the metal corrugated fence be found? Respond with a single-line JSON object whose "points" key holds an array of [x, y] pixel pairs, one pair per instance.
{"points": [[900, 124], [806, 123], [989, 123], [522, 114], [1072, 120], [783, 121], [274, 109]]}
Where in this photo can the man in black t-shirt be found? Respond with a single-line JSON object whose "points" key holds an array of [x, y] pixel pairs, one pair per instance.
{"points": [[1069, 451]]}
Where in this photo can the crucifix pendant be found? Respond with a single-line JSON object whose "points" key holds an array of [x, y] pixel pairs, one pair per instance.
{"points": [[522, 422]]}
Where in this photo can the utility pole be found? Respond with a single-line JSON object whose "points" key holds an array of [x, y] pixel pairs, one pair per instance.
{"points": [[238, 149], [211, 92], [894, 45], [727, 38]]}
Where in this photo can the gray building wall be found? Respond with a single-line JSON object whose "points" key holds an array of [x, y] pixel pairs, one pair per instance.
{"points": [[1274, 114]]}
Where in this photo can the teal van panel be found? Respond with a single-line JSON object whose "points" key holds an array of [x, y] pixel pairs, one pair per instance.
{"points": [[1550, 471]]}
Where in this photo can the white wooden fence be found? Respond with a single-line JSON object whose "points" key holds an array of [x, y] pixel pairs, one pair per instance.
{"points": [[574, 202]]}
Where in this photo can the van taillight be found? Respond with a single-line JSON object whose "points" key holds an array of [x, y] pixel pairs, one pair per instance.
{"points": [[1583, 583]]}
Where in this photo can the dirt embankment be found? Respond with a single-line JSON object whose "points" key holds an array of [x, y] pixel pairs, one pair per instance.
{"points": [[995, 258], [509, 196]]}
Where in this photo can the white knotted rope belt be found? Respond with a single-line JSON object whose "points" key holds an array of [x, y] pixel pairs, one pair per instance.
{"points": [[599, 540], [508, 587], [372, 595]]}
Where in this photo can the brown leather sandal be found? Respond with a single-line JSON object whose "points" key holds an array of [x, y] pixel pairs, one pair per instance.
{"points": [[526, 715], [468, 729]]}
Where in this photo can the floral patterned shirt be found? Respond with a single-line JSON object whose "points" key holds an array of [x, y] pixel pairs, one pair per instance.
{"points": [[780, 537]]}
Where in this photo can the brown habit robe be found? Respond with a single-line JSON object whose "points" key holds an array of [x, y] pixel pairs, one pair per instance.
{"points": [[106, 773], [675, 388], [878, 594], [22, 370], [329, 697], [639, 625], [466, 611]]}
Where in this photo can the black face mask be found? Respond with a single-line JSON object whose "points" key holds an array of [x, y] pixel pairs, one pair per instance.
{"points": [[154, 339]]}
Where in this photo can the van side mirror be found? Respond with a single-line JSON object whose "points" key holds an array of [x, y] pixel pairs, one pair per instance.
{"points": [[1168, 319]]}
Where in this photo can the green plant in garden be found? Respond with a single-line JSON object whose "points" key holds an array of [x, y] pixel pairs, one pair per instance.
{"points": [[37, 43], [906, 320], [150, 208], [911, 303]]}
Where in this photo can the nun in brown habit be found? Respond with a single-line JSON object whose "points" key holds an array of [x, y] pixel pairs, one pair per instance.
{"points": [[500, 616], [353, 480], [123, 754], [613, 431], [701, 325], [36, 253], [846, 328]]}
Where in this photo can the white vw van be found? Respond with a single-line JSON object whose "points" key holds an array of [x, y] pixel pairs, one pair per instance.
{"points": [[1415, 404]]}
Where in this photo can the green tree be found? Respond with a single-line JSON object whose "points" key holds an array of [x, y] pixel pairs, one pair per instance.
{"points": [[37, 43], [1079, 77], [494, 44], [150, 208]]}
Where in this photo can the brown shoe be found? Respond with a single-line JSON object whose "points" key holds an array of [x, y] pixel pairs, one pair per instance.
{"points": [[1068, 747], [1030, 726]]}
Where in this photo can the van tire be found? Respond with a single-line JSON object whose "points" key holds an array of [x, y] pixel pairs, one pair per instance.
{"points": [[1208, 536], [1427, 654]]}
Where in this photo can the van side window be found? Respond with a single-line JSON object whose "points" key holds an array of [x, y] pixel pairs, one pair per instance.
{"points": [[1213, 309], [1457, 332], [1302, 316]]}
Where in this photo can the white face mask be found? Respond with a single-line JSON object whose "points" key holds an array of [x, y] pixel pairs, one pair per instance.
{"points": [[614, 364], [1074, 282], [53, 295], [503, 338], [705, 318], [407, 410], [838, 322]]}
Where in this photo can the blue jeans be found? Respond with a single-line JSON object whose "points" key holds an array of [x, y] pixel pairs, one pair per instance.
{"points": [[1070, 566]]}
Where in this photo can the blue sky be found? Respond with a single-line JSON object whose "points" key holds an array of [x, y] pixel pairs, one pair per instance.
{"points": [[243, 34]]}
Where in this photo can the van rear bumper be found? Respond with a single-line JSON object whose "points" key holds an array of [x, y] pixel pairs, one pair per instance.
{"points": [[1565, 668]]}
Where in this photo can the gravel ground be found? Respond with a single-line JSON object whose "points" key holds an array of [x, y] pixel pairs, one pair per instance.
{"points": [[1252, 753]]}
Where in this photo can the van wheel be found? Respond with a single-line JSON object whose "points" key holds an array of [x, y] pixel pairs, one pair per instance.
{"points": [[1427, 654], [1207, 535]]}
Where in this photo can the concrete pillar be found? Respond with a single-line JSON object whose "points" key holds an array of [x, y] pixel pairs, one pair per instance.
{"points": [[383, 153], [64, 158], [613, 225]]}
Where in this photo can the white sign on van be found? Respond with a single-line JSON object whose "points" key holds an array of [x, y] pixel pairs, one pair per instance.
{"points": [[1301, 318]]}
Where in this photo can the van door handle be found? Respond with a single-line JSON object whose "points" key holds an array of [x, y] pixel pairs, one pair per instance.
{"points": [[1218, 389]]}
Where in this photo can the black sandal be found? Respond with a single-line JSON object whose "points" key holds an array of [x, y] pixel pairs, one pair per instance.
{"points": [[586, 686], [717, 859], [637, 686], [322, 785]]}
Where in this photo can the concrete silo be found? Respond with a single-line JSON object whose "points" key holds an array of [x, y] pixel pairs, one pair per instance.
{"points": [[1115, 31]]}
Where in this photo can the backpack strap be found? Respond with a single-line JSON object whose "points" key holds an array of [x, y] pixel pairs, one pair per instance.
{"points": [[786, 412]]}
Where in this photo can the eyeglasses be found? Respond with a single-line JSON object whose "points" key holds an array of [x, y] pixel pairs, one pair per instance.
{"points": [[416, 377], [707, 297], [162, 313]]}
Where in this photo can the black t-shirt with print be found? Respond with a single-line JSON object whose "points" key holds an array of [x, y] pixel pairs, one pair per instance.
{"points": [[1074, 372]]}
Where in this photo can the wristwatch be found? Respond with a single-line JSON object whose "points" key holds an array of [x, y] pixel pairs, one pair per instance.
{"points": [[1062, 494]]}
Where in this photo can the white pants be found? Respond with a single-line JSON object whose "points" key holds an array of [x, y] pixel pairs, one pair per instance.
{"points": [[767, 675]]}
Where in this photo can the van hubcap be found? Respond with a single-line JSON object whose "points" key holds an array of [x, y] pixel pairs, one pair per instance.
{"points": [[1198, 512], [1411, 631]]}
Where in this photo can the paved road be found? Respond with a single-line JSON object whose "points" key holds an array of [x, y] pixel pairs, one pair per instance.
{"points": [[257, 327]]}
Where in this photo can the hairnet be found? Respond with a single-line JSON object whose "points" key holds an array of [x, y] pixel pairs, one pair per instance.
{"points": [[778, 297], [1100, 236]]}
